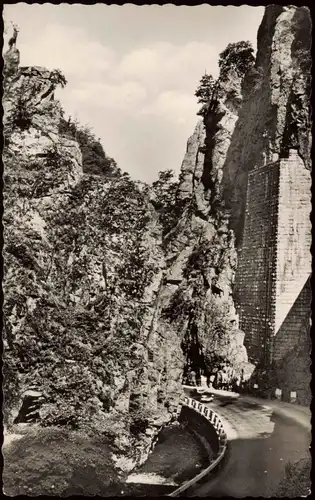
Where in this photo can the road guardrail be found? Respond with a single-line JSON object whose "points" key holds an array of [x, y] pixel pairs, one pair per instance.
{"points": [[216, 422]]}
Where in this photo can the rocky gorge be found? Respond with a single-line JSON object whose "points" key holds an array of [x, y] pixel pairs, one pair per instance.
{"points": [[114, 290]]}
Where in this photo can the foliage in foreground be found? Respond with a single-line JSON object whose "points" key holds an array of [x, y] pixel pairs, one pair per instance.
{"points": [[59, 463], [297, 480]]}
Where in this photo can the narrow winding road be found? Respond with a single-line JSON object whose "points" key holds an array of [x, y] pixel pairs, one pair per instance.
{"points": [[263, 436]]}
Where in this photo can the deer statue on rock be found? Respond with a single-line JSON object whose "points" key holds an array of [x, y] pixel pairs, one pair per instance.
{"points": [[12, 56], [12, 41]]}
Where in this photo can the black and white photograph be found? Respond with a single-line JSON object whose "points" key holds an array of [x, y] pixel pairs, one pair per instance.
{"points": [[156, 251]]}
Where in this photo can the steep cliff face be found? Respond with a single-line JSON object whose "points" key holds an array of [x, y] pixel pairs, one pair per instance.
{"points": [[82, 267], [275, 113], [196, 296]]}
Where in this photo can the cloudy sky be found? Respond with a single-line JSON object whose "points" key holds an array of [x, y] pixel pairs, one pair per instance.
{"points": [[132, 70]]}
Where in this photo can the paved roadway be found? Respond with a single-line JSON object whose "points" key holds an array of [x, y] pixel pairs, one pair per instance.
{"points": [[263, 436]]}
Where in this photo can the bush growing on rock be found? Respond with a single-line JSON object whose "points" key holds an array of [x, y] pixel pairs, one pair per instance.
{"points": [[206, 88], [54, 170], [165, 189], [206, 93], [218, 334], [296, 482], [180, 307], [238, 57], [22, 115], [136, 274], [94, 159], [139, 419], [58, 78]]}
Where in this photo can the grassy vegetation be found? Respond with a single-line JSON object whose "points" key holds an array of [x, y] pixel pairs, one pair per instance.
{"points": [[297, 481], [57, 462]]}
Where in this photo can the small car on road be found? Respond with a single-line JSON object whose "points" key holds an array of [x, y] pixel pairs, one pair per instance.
{"points": [[206, 398]]}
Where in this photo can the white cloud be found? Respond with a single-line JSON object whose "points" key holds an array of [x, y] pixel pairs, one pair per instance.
{"points": [[145, 78], [165, 65], [125, 96], [174, 106], [71, 50], [141, 63]]}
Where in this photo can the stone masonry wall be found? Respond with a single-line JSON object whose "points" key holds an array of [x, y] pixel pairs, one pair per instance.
{"points": [[294, 234], [292, 343], [292, 348], [255, 277], [294, 331], [272, 296]]}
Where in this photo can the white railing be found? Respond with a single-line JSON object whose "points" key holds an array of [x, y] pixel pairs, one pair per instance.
{"points": [[215, 421]]}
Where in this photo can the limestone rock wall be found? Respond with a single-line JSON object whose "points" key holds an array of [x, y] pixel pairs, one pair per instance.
{"points": [[83, 261], [200, 249]]}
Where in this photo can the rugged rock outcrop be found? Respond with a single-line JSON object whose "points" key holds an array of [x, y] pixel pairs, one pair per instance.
{"points": [[82, 267], [12, 61], [200, 250]]}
